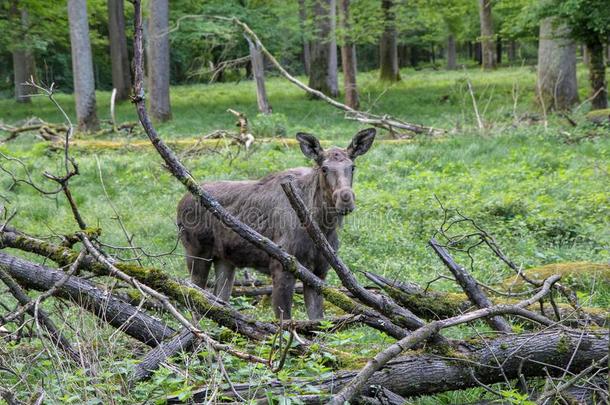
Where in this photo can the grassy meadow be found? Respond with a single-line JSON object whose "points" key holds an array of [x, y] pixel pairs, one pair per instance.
{"points": [[541, 189]]}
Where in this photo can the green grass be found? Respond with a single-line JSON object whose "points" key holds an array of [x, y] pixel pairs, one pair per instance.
{"points": [[545, 200]]}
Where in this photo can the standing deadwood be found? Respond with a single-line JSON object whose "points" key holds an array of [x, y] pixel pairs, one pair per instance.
{"points": [[488, 54], [158, 60], [258, 72], [557, 87], [24, 64], [119, 57], [388, 50], [102, 304], [82, 66], [451, 53], [470, 287], [304, 36], [348, 57], [597, 74], [320, 49]]}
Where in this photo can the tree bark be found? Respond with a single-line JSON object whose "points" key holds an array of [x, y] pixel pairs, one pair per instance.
{"points": [[424, 374], [499, 50], [82, 66], [451, 53], [388, 52], [556, 83], [158, 60], [333, 63], [304, 36], [321, 54], [258, 73], [597, 75], [102, 304], [119, 57], [488, 54], [348, 58]]}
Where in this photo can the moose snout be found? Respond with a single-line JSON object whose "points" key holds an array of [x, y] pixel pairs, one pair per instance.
{"points": [[345, 200]]}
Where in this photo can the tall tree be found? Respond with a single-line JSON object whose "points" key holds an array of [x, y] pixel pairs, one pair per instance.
{"points": [[304, 36], [82, 66], [348, 57], [488, 54], [451, 52], [119, 58], [158, 60], [388, 51], [320, 67], [24, 64], [588, 23], [557, 87], [333, 75]]}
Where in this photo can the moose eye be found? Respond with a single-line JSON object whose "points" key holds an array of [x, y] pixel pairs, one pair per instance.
{"points": [[353, 168], [324, 169]]}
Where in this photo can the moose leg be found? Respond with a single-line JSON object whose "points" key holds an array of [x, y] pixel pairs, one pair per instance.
{"points": [[225, 276], [198, 265], [314, 302], [282, 292]]}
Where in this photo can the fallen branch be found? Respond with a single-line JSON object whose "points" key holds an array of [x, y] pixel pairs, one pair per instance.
{"points": [[470, 286], [385, 121], [40, 316], [423, 333], [101, 303]]}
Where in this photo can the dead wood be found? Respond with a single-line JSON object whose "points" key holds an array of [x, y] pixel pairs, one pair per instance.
{"points": [[87, 295], [180, 291], [431, 304], [488, 362], [41, 316], [470, 286]]}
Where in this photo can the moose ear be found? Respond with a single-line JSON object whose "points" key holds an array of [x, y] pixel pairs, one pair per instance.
{"points": [[310, 146], [361, 142]]}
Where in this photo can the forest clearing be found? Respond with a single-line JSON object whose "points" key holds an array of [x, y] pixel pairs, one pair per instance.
{"points": [[473, 264]]}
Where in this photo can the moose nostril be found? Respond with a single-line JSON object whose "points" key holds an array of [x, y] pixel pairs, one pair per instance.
{"points": [[346, 195]]}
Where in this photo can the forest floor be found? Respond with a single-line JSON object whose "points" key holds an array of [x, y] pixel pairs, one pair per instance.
{"points": [[541, 190]]}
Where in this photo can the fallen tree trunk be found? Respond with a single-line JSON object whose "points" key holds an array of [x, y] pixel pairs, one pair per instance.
{"points": [[431, 304], [184, 293], [102, 304], [477, 362]]}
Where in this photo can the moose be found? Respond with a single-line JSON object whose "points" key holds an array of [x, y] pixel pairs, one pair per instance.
{"points": [[327, 192]]}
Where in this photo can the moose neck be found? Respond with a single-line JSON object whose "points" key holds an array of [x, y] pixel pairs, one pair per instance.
{"points": [[316, 200]]}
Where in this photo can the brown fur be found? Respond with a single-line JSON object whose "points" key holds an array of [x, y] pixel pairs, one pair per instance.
{"points": [[262, 204]]}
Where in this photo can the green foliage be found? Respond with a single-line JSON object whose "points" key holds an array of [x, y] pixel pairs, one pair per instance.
{"points": [[589, 20]]}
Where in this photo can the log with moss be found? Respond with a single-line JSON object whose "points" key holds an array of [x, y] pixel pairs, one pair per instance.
{"points": [[421, 373]]}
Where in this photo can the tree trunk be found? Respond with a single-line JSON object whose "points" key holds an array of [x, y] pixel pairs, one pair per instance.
{"points": [[116, 312], [348, 58], [333, 68], [499, 50], [158, 60], [487, 35], [512, 51], [597, 75], [531, 354], [24, 64], [388, 52], [304, 37], [320, 50], [451, 53], [121, 75], [557, 86], [585, 55], [82, 66], [258, 73]]}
